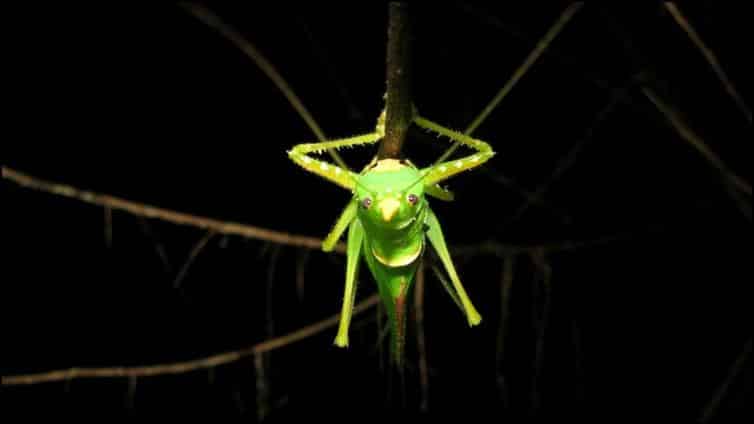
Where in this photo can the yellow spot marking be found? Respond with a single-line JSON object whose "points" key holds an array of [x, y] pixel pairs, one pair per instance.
{"points": [[388, 208]]}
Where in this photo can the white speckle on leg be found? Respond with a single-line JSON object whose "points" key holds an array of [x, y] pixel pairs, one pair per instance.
{"points": [[323, 166], [443, 168], [337, 171], [458, 164], [306, 159]]}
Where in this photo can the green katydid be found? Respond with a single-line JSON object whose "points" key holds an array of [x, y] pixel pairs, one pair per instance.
{"points": [[388, 219]]}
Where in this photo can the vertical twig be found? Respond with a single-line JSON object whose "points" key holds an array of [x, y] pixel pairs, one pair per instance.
{"points": [[271, 269], [711, 407], [420, 340], [710, 56], [505, 295], [398, 103], [540, 262], [262, 387], [130, 394]]}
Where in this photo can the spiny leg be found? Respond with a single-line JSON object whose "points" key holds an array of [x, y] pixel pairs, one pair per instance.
{"points": [[438, 192], [434, 233], [344, 220], [355, 241], [334, 173], [445, 170]]}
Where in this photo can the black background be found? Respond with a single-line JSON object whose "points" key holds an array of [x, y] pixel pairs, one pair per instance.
{"points": [[148, 103]]}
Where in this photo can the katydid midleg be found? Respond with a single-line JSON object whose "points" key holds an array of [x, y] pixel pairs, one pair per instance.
{"points": [[388, 220]]}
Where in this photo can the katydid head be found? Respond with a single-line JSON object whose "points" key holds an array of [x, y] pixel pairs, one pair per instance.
{"points": [[389, 196]]}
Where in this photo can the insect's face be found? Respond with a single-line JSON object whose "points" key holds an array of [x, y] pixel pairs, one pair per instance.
{"points": [[389, 195]]}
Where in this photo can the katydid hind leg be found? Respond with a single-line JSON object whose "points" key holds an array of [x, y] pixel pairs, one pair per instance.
{"points": [[436, 238], [355, 241]]}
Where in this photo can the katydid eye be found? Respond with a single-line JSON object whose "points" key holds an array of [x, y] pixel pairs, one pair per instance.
{"points": [[412, 198], [366, 202]]}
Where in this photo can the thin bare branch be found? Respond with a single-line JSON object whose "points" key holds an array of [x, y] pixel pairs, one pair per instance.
{"points": [[191, 258], [258, 233], [213, 21], [180, 218], [187, 366], [710, 56]]}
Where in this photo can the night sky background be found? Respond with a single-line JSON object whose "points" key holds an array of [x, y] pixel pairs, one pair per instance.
{"points": [[148, 103]]}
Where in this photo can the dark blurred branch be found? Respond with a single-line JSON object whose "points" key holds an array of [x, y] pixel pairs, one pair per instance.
{"points": [[541, 46], [228, 32], [568, 160], [262, 387], [519, 72], [730, 179], [686, 133], [545, 270], [506, 283], [399, 113], [714, 403], [710, 56], [187, 366], [271, 270], [645, 76], [488, 18]]}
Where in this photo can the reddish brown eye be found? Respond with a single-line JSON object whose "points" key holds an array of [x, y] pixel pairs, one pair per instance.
{"points": [[412, 198], [366, 202]]}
